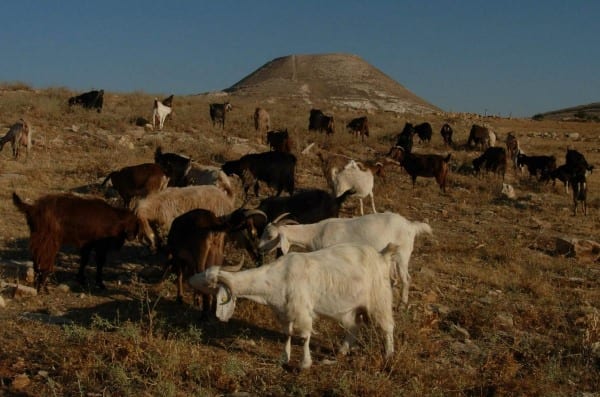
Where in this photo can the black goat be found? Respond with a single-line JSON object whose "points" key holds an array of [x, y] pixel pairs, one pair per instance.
{"points": [[276, 169], [174, 166]]}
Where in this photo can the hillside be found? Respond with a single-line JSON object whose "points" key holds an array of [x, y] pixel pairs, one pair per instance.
{"points": [[330, 79], [493, 309], [589, 112]]}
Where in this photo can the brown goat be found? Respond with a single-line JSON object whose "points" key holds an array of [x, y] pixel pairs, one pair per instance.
{"points": [[89, 224], [137, 181], [262, 121], [196, 241], [18, 135], [426, 165]]}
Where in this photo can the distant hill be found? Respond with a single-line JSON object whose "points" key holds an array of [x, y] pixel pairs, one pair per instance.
{"points": [[336, 79], [589, 112]]}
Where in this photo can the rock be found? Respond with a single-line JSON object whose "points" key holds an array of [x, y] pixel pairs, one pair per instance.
{"points": [[2, 302], [583, 250], [504, 320], [20, 382], [439, 308], [22, 290], [508, 191], [459, 331], [63, 288], [572, 135], [148, 128]]}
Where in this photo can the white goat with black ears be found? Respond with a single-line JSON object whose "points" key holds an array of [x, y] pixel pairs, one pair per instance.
{"points": [[376, 230], [345, 282]]}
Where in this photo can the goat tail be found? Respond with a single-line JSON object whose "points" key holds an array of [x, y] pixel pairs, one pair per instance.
{"points": [[447, 157], [107, 178], [422, 227], [390, 250], [20, 204]]}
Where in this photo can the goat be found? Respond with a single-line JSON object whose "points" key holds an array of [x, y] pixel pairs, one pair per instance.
{"points": [[541, 165], [175, 166], [579, 185], [279, 141], [89, 224], [577, 162], [563, 173], [353, 177], [217, 112], [307, 206], [18, 135], [424, 132], [481, 136], [320, 122], [262, 121], [426, 165], [376, 230], [359, 127], [195, 242], [162, 207], [346, 282], [160, 112], [89, 100], [512, 148], [137, 181], [209, 175], [493, 159], [405, 138], [446, 133], [277, 169]]}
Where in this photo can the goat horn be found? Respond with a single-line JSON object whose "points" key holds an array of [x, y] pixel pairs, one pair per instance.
{"points": [[280, 217], [248, 213], [233, 268], [288, 222]]}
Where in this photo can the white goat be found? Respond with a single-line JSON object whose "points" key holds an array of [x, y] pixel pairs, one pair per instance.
{"points": [[345, 282], [160, 112], [209, 175], [353, 177], [376, 230], [162, 207]]}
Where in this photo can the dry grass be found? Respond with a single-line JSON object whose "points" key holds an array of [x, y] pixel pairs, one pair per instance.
{"points": [[491, 311]]}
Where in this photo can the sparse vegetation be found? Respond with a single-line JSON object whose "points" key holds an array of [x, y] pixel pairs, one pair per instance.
{"points": [[491, 310]]}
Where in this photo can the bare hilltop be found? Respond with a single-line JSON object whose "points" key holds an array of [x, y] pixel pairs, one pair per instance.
{"points": [[337, 79]]}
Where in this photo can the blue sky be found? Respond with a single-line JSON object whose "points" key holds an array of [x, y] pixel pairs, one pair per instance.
{"points": [[505, 57]]}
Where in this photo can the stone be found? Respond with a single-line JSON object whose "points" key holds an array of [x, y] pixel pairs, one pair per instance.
{"points": [[20, 382], [63, 288], [2, 302], [508, 191], [504, 320]]}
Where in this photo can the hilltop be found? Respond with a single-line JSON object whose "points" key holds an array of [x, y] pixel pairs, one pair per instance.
{"points": [[589, 112], [330, 79]]}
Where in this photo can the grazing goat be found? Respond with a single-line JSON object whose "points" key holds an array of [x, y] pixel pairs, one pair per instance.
{"points": [[162, 207], [481, 136], [137, 181], [307, 206], [359, 127], [358, 179], [405, 138], [262, 121], [577, 162], [217, 113], [446, 133], [89, 100], [563, 173], [493, 159], [426, 165], [160, 112], [376, 230], [196, 241], [347, 282], [424, 132], [209, 175], [175, 166], [320, 122], [89, 224], [542, 165], [18, 135], [276, 169], [279, 141], [579, 185]]}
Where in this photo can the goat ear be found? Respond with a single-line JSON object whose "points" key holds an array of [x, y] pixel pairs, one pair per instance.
{"points": [[284, 244]]}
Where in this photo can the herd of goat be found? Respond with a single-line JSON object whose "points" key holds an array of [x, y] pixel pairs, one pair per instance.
{"points": [[347, 267]]}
